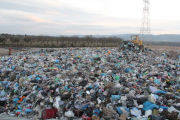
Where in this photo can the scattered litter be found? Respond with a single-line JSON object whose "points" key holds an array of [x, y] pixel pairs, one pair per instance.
{"points": [[90, 83]]}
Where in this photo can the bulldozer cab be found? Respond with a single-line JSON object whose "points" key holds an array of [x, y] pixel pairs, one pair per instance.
{"points": [[135, 40], [134, 37]]}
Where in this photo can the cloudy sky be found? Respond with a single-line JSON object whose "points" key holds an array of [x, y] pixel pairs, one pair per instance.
{"points": [[86, 17]]}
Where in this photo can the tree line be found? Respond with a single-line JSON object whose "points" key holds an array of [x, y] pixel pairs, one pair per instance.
{"points": [[8, 40]]}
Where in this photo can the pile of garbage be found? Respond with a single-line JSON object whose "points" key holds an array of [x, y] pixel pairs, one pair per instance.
{"points": [[90, 84]]}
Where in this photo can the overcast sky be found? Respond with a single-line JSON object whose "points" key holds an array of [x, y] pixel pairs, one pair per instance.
{"points": [[86, 17]]}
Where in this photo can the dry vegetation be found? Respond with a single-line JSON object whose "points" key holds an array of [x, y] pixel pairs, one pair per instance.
{"points": [[7, 40]]}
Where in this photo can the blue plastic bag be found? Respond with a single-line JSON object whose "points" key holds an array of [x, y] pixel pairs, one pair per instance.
{"points": [[160, 91], [5, 83], [163, 107], [38, 78], [149, 105], [15, 100], [157, 81], [127, 70], [119, 110], [115, 97], [66, 88], [103, 74], [90, 86], [28, 111], [56, 61], [18, 111], [84, 107], [19, 107]]}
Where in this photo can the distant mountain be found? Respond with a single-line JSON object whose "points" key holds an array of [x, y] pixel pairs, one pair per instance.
{"points": [[154, 38], [166, 37]]}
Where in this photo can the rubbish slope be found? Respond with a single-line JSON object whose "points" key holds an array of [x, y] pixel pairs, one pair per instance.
{"points": [[90, 83]]}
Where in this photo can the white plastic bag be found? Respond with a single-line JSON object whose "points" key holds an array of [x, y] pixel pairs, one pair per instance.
{"points": [[151, 98], [148, 112], [135, 112], [153, 89]]}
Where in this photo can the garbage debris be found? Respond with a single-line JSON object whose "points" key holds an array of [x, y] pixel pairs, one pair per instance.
{"points": [[90, 83]]}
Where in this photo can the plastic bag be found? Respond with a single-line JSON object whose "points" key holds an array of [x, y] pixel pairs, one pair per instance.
{"points": [[132, 94], [171, 109], [125, 113], [151, 98], [160, 91], [135, 112], [135, 103], [153, 89], [148, 112], [123, 98], [157, 81], [127, 70], [149, 106], [115, 97]]}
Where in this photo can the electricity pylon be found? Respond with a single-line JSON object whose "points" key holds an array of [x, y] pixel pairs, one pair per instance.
{"points": [[145, 31]]}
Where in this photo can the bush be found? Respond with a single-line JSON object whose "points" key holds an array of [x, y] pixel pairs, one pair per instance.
{"points": [[63, 45]]}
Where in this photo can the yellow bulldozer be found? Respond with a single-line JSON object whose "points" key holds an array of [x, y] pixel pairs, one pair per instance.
{"points": [[135, 40]]}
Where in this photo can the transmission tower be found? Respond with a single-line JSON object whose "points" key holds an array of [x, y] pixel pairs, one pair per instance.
{"points": [[145, 32]]}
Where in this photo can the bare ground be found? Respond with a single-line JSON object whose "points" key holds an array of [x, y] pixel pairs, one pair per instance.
{"points": [[173, 51], [8, 117], [5, 51], [165, 48], [157, 49]]}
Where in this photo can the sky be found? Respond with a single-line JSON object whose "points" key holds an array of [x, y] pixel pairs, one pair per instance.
{"points": [[87, 17]]}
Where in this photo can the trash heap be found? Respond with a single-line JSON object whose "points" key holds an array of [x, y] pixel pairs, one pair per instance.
{"points": [[90, 84]]}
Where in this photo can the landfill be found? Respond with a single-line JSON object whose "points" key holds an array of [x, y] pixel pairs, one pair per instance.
{"points": [[122, 83]]}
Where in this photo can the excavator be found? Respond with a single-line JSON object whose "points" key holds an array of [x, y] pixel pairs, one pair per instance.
{"points": [[135, 40]]}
